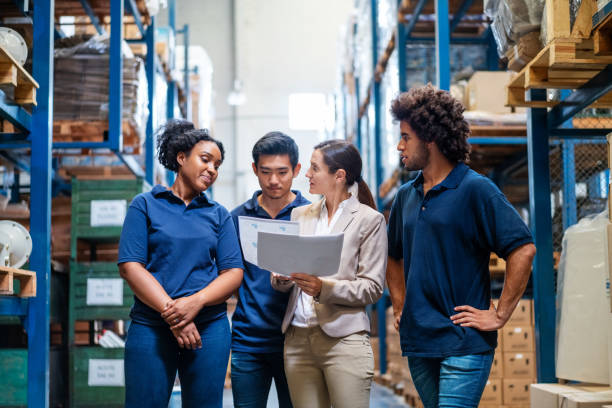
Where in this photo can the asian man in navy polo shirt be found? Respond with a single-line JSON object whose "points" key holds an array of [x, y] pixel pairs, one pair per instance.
{"points": [[257, 340], [442, 228]]}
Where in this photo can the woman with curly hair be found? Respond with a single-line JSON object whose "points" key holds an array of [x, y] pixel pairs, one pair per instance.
{"points": [[444, 225], [180, 255]]}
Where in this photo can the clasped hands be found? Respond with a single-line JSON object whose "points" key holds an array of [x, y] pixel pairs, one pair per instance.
{"points": [[179, 314], [311, 285]]}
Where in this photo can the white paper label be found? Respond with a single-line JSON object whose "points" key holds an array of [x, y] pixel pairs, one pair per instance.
{"points": [[108, 213], [105, 373], [518, 330], [105, 292]]}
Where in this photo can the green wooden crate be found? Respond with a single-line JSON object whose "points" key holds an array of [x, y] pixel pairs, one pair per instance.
{"points": [[80, 273], [13, 377], [82, 392], [86, 191]]}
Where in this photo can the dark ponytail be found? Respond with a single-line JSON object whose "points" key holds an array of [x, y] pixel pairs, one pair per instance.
{"points": [[340, 154]]}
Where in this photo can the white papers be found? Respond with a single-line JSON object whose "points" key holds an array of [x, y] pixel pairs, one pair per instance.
{"points": [[250, 226], [107, 292], [317, 255], [107, 213], [105, 373]]}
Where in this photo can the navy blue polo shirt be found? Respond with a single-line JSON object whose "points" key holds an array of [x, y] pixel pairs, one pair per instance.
{"points": [[256, 323], [445, 239], [183, 247]]}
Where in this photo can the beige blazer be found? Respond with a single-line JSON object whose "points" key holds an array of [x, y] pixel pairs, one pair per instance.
{"points": [[360, 279]]}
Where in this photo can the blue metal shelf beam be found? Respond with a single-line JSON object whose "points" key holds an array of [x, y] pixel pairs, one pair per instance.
{"points": [[133, 10], [400, 48], [418, 9], [15, 114], [541, 227], [13, 306], [582, 97], [95, 21], [442, 45], [37, 320], [497, 140], [150, 68], [465, 6], [116, 76]]}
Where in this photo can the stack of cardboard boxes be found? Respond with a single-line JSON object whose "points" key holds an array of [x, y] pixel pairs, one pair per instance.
{"points": [[514, 365]]}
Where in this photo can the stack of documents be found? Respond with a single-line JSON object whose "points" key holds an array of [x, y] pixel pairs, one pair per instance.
{"points": [[277, 246]]}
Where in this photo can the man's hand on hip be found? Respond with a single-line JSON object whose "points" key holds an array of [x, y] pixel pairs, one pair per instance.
{"points": [[483, 320]]}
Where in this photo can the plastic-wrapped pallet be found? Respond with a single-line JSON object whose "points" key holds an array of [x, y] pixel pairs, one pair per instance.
{"points": [[583, 306], [387, 22], [363, 47], [81, 78], [513, 19]]}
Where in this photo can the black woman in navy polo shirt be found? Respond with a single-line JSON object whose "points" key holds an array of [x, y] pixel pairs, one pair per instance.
{"points": [[180, 255], [444, 225]]}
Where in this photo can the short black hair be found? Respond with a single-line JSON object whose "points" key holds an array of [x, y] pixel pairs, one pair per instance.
{"points": [[276, 143], [180, 136], [435, 116]]}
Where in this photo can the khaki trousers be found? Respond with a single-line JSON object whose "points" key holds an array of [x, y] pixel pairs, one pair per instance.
{"points": [[324, 371]]}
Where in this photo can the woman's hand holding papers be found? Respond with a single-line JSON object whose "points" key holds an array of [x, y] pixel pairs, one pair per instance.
{"points": [[311, 285]]}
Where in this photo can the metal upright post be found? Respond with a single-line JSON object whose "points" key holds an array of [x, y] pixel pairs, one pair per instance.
{"points": [[442, 45], [400, 45], [150, 68], [115, 105], [171, 93], [37, 322], [188, 113], [569, 183], [541, 226], [358, 142]]}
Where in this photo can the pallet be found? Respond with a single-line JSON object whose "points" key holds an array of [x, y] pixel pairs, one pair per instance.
{"points": [[15, 81], [27, 279], [602, 37], [563, 64], [95, 131]]}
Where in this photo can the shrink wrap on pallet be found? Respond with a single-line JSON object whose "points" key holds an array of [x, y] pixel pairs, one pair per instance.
{"points": [[513, 19], [583, 308], [81, 79]]}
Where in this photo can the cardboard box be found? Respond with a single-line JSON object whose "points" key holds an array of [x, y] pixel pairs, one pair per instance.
{"points": [[484, 90], [519, 365], [497, 368], [500, 341], [518, 338], [565, 396], [492, 394], [516, 391], [522, 314]]}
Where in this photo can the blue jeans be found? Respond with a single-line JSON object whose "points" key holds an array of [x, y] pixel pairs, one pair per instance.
{"points": [[252, 375], [153, 356], [451, 381]]}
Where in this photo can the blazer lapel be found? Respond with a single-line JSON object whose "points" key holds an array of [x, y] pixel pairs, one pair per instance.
{"points": [[348, 213], [309, 225]]}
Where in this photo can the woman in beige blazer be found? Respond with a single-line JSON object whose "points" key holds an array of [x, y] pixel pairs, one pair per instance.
{"points": [[328, 356]]}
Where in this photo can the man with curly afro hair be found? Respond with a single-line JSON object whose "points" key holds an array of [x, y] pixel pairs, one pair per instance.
{"points": [[443, 226]]}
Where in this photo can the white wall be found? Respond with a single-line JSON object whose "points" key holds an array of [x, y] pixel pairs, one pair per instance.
{"points": [[283, 46]]}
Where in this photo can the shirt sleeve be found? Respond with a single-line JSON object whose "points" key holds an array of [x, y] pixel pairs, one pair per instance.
{"points": [[503, 229], [228, 248], [395, 229], [133, 243]]}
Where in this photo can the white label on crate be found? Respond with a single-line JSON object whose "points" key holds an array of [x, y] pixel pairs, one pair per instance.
{"points": [[105, 373], [107, 292], [108, 213], [518, 330]]}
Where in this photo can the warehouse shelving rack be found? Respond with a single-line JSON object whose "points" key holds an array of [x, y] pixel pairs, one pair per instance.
{"points": [[31, 149], [546, 129]]}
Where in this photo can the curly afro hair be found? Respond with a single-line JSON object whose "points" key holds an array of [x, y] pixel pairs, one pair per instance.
{"points": [[435, 116], [180, 136]]}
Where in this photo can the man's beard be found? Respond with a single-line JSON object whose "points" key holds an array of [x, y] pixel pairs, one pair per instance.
{"points": [[418, 160]]}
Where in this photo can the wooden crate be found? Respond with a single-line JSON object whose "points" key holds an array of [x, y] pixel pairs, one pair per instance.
{"points": [[14, 375], [84, 395]]}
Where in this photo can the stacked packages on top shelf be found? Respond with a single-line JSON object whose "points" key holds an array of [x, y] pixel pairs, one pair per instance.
{"points": [[81, 91]]}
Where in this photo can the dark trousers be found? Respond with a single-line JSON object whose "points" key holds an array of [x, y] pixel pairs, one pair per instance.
{"points": [[153, 356], [252, 375]]}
